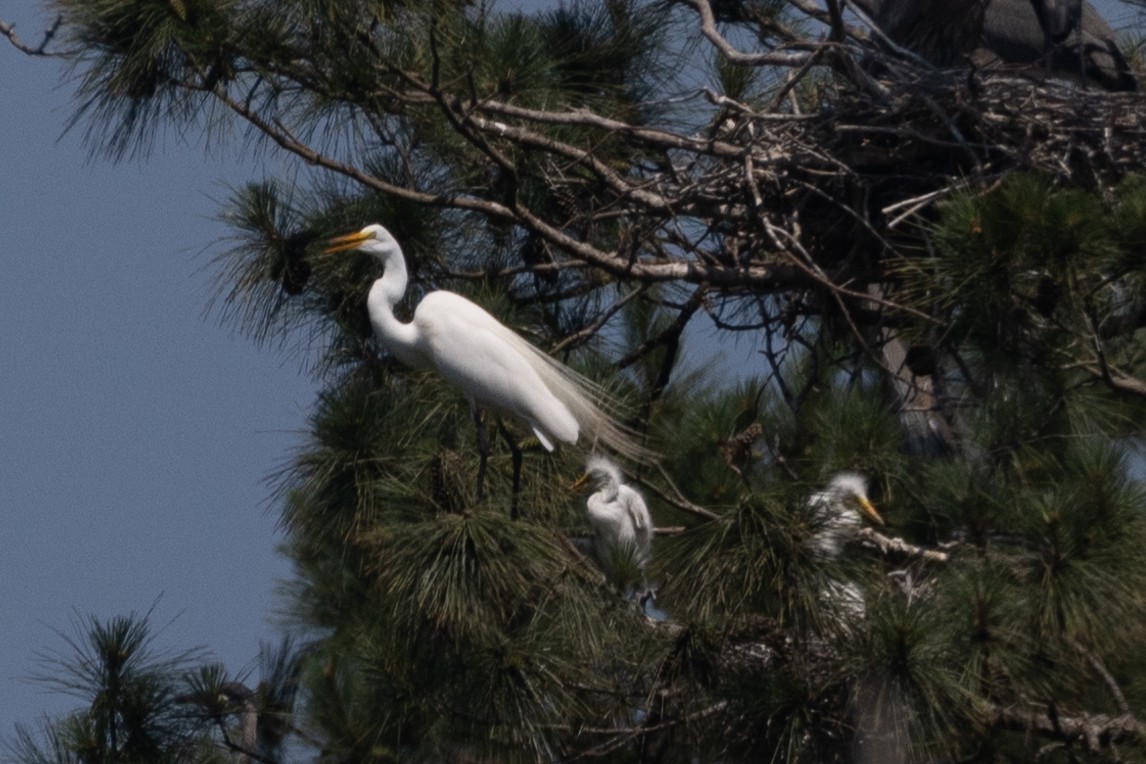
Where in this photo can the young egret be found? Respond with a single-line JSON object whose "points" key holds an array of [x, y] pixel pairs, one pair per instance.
{"points": [[621, 521], [839, 508], [489, 363]]}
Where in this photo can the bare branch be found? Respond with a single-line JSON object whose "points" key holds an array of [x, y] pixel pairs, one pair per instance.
{"points": [[9, 30], [677, 499], [890, 545], [1094, 731], [1099, 667], [708, 28]]}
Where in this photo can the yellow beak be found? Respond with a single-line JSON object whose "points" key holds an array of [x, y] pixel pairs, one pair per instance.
{"points": [[580, 484], [343, 243], [869, 510]]}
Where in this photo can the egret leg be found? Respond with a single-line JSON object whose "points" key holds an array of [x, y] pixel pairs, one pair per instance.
{"points": [[483, 451], [515, 452]]}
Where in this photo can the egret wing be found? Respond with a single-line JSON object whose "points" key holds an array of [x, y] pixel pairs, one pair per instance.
{"points": [[471, 350]]}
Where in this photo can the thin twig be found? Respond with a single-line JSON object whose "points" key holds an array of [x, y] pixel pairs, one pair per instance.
{"points": [[9, 30], [890, 544]]}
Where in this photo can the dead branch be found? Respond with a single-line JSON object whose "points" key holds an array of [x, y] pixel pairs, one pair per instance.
{"points": [[1093, 731], [709, 30], [1108, 679], [894, 545], [9, 30]]}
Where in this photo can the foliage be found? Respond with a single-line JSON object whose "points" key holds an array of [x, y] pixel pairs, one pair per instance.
{"points": [[934, 281]]}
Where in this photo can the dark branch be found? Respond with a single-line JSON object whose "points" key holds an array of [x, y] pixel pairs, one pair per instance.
{"points": [[9, 30]]}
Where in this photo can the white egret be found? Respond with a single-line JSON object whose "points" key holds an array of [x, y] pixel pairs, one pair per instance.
{"points": [[620, 519], [488, 362], [840, 509]]}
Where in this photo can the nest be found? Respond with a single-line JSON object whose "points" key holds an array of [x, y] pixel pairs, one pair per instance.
{"points": [[881, 150]]}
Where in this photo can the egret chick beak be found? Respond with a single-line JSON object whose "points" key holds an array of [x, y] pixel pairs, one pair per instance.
{"points": [[869, 510], [578, 486], [343, 243]]}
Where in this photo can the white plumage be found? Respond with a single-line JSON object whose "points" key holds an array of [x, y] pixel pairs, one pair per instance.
{"points": [[489, 363], [838, 508], [618, 514]]}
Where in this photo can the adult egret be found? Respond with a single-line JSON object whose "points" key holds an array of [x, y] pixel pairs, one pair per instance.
{"points": [[620, 519], [489, 363], [840, 509]]}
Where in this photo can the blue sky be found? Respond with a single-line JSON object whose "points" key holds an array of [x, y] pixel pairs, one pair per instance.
{"points": [[135, 433]]}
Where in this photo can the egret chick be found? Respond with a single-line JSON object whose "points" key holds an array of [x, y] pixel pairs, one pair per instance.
{"points": [[620, 519], [838, 509], [488, 362]]}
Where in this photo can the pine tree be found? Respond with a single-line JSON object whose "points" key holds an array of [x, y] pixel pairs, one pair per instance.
{"points": [[931, 278]]}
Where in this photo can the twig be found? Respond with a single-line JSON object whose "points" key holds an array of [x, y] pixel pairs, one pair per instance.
{"points": [[678, 500], [9, 30], [889, 544], [708, 29], [627, 734], [1094, 730], [1100, 668]]}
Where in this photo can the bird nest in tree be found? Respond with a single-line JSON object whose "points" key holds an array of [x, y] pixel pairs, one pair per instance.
{"points": [[904, 140], [982, 125]]}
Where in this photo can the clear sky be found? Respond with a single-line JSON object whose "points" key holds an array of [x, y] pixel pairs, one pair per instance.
{"points": [[135, 434]]}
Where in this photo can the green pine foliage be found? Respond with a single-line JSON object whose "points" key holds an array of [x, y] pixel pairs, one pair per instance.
{"points": [[1004, 601]]}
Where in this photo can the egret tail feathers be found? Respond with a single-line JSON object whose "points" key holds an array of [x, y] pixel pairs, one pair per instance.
{"points": [[587, 401]]}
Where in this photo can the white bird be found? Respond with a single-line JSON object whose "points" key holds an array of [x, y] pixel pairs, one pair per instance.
{"points": [[838, 511], [488, 362], [620, 519]]}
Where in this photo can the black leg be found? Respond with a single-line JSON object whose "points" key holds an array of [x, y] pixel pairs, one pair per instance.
{"points": [[515, 452], [483, 451]]}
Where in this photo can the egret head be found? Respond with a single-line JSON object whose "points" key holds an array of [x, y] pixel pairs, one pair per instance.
{"points": [[602, 472], [374, 239], [849, 490]]}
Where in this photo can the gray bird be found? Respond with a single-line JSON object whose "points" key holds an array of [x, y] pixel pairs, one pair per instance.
{"points": [[1067, 38]]}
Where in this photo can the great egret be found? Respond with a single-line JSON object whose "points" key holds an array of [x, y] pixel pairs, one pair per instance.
{"points": [[839, 510], [489, 363], [620, 519]]}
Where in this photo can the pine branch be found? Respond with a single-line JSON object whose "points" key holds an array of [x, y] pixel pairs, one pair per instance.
{"points": [[677, 499], [1115, 379], [1094, 731], [894, 545], [620, 736], [1099, 667], [709, 30], [9, 30]]}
